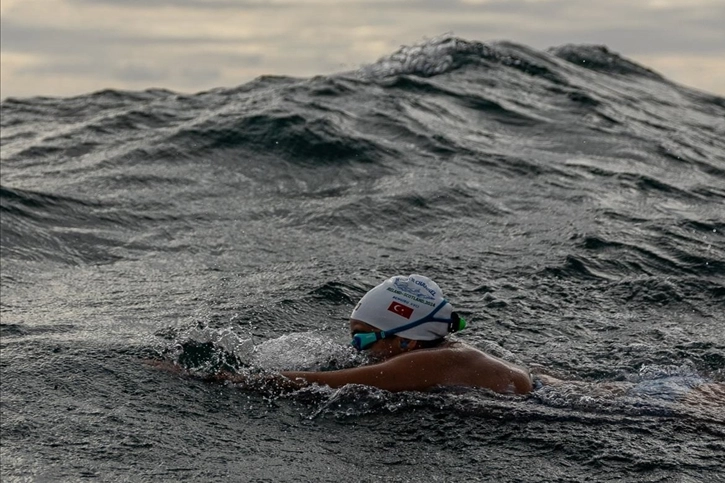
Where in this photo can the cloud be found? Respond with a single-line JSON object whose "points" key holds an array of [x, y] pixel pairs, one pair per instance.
{"points": [[50, 40], [704, 72], [192, 4]]}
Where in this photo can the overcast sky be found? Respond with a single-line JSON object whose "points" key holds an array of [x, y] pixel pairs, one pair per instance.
{"points": [[67, 47]]}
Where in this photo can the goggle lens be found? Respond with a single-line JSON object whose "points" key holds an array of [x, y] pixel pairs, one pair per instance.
{"points": [[364, 340]]}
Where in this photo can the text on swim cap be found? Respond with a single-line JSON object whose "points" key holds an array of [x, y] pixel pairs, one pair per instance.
{"points": [[421, 291], [409, 296]]}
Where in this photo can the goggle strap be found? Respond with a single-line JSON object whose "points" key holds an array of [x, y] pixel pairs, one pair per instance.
{"points": [[428, 318], [368, 338]]}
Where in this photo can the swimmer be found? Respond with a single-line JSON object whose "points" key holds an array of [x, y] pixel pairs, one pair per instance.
{"points": [[402, 324]]}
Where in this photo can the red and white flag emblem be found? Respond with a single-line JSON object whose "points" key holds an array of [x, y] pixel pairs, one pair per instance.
{"points": [[400, 309]]}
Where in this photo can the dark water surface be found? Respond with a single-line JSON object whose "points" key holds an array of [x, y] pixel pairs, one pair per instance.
{"points": [[570, 203]]}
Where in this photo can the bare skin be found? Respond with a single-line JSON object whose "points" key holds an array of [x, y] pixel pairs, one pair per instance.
{"points": [[403, 366]]}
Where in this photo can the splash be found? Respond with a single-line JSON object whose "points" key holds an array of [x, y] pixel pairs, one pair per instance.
{"points": [[653, 390], [666, 382], [427, 58], [305, 352], [206, 350]]}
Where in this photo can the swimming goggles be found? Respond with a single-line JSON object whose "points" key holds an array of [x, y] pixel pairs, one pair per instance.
{"points": [[364, 340]]}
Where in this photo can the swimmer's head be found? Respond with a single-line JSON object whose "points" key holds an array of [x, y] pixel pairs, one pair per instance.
{"points": [[410, 307]]}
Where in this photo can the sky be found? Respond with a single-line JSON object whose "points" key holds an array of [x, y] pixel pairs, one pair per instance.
{"points": [[71, 47]]}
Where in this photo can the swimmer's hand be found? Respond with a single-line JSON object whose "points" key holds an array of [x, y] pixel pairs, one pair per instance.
{"points": [[225, 376], [269, 382], [266, 382], [175, 368], [167, 366]]}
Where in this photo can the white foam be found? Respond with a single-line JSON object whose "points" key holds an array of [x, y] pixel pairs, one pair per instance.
{"points": [[226, 339], [304, 352], [430, 57]]}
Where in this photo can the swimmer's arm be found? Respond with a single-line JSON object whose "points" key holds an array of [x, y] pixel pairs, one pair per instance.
{"points": [[262, 382], [414, 371], [269, 381], [424, 370]]}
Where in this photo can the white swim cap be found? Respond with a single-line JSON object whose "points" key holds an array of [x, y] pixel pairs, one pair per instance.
{"points": [[401, 300]]}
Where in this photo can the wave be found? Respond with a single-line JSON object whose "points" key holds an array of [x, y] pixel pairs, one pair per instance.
{"points": [[41, 226], [449, 129]]}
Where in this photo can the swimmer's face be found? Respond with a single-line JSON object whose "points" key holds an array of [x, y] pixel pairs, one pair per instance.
{"points": [[381, 349]]}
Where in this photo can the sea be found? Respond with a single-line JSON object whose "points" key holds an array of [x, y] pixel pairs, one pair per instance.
{"points": [[570, 203]]}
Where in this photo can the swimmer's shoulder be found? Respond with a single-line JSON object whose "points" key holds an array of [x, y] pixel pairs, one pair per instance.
{"points": [[455, 345], [481, 369], [461, 349], [469, 351]]}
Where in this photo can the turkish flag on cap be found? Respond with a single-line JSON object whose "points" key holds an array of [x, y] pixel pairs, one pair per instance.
{"points": [[400, 309]]}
